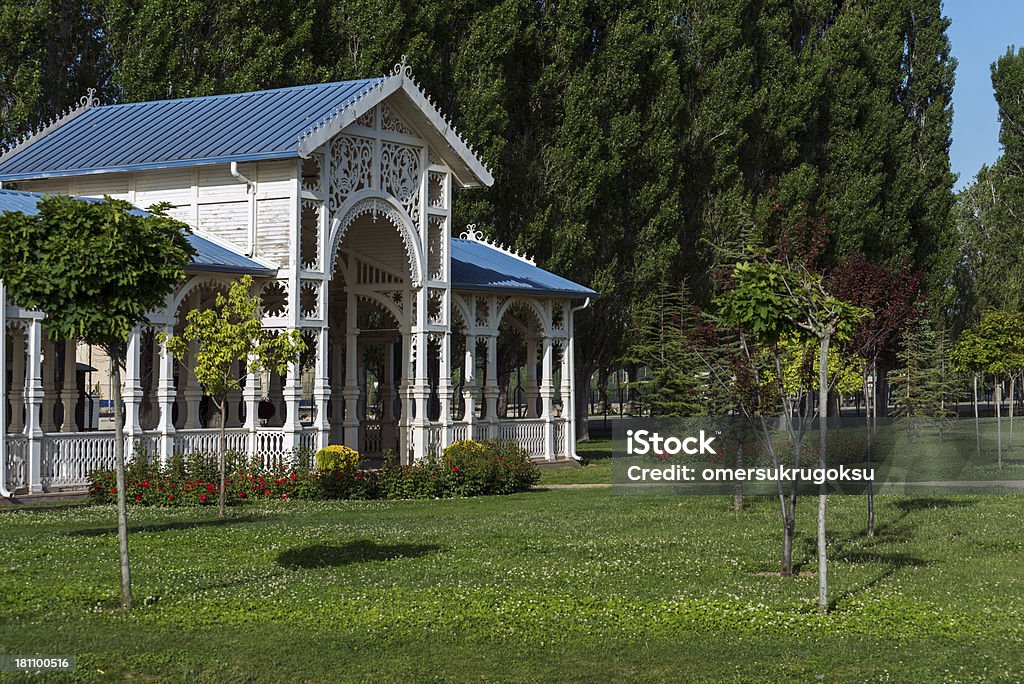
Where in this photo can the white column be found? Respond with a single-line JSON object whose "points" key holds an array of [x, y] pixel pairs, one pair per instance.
{"points": [[563, 449], [132, 388], [469, 385], [292, 396], [531, 390], [251, 395], [405, 400], [491, 388], [17, 381], [547, 395], [69, 390], [192, 394], [351, 421], [444, 388], [164, 369], [48, 408], [570, 426], [322, 389], [421, 378], [33, 404]]}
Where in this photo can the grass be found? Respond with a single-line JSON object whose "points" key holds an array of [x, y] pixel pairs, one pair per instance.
{"points": [[596, 469], [573, 585]]}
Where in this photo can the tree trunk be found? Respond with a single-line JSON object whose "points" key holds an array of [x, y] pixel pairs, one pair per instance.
{"points": [[997, 396], [582, 400], [869, 414], [222, 405], [977, 423], [1013, 391], [822, 462], [737, 493], [122, 496], [881, 389]]}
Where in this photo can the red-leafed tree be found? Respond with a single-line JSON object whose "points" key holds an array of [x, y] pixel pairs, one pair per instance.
{"points": [[891, 294]]}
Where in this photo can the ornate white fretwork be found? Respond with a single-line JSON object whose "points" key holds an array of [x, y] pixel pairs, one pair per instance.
{"points": [[435, 306], [310, 239], [474, 235], [368, 119], [87, 102], [436, 189], [352, 167], [557, 316], [378, 207], [311, 170], [400, 176], [483, 312], [435, 247], [309, 299], [274, 299], [389, 121]]}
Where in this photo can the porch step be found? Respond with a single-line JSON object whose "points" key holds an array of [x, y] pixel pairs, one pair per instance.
{"points": [[560, 463], [63, 496]]}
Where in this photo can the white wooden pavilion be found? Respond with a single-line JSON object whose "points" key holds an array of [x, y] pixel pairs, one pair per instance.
{"points": [[337, 199]]}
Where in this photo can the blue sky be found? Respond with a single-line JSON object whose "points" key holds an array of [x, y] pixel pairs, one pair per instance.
{"points": [[980, 33]]}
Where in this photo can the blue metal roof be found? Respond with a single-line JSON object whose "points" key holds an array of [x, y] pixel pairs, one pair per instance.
{"points": [[167, 133], [210, 256], [478, 266]]}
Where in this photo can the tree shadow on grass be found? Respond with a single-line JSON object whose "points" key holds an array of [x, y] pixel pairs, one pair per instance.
{"points": [[358, 551], [166, 527]]}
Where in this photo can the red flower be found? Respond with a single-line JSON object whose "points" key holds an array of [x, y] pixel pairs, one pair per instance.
{"points": [[241, 495], [113, 490], [202, 497], [170, 497], [145, 483], [284, 496], [293, 477], [210, 488], [138, 497], [455, 469]]}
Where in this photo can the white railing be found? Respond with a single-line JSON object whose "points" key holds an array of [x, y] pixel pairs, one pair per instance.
{"points": [[460, 431], [68, 458], [17, 462], [208, 441], [481, 431], [307, 439], [529, 434], [561, 446], [270, 447], [371, 437], [435, 439]]}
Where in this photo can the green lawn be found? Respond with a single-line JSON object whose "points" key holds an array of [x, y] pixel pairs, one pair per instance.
{"points": [[596, 469], [569, 585]]}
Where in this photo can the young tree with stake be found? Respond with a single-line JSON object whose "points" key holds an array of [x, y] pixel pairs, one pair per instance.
{"points": [[225, 335], [95, 268]]}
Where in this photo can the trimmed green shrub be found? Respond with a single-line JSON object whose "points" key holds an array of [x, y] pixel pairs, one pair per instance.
{"points": [[337, 458]]}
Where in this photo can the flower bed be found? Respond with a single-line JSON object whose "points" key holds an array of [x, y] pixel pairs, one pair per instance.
{"points": [[466, 468]]}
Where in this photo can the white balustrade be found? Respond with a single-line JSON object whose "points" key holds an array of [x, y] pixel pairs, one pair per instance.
{"points": [[460, 431], [561, 446], [371, 437], [69, 458], [529, 434], [270, 448], [17, 462], [208, 441]]}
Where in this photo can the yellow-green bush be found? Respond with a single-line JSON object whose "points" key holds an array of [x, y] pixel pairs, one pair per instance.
{"points": [[337, 458]]}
